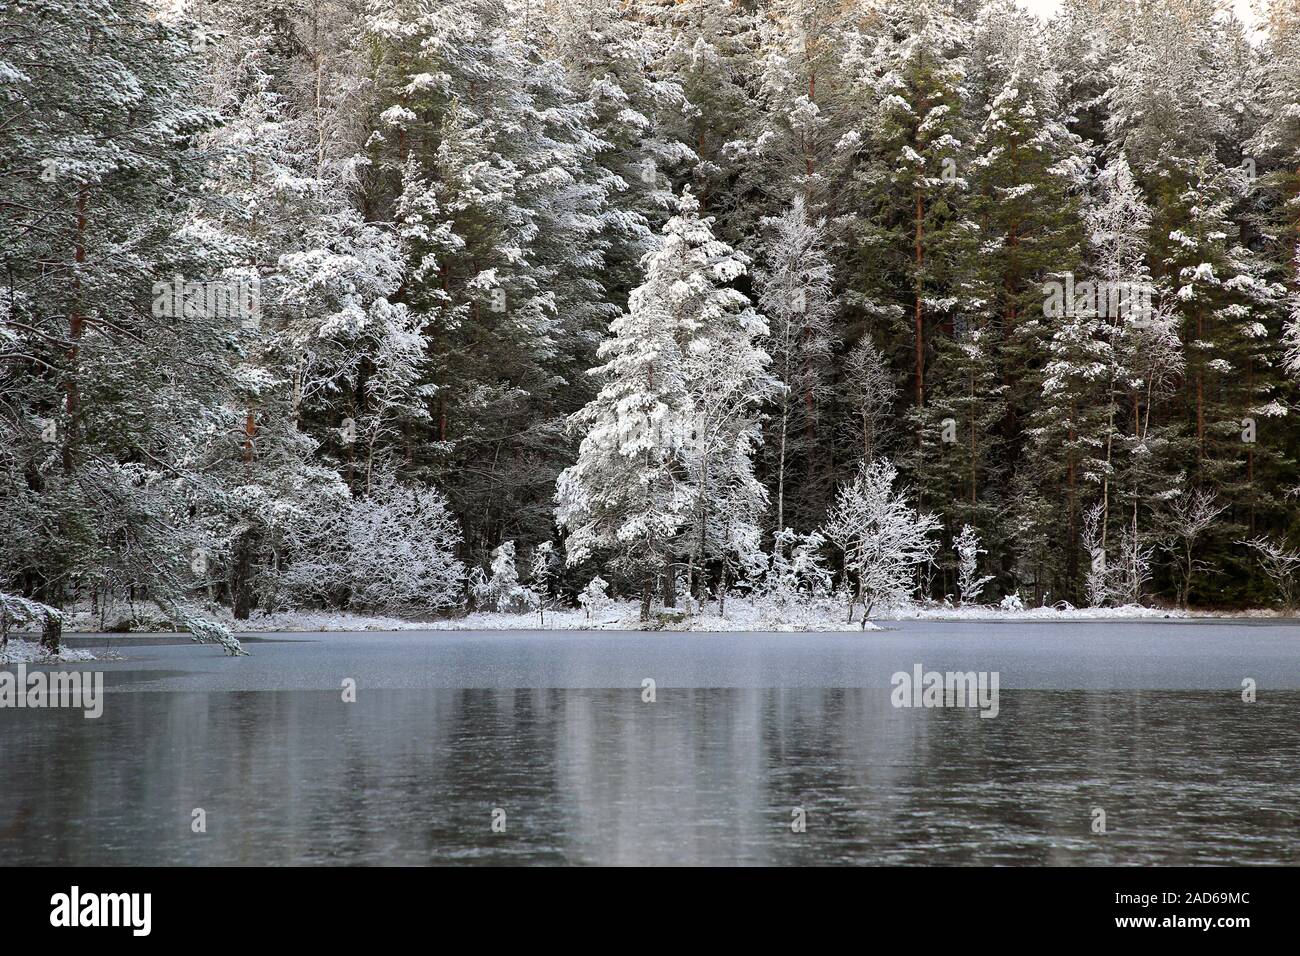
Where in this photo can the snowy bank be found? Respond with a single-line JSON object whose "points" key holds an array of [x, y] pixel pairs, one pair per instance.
{"points": [[1061, 612], [742, 614], [31, 652]]}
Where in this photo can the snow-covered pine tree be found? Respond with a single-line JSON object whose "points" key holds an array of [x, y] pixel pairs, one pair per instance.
{"points": [[1181, 126], [1135, 465], [804, 106], [868, 393], [712, 48], [635, 112], [1081, 49], [1064, 431], [480, 153], [105, 400], [795, 294], [1027, 179], [666, 466], [913, 277], [911, 233], [502, 590], [725, 370], [1221, 298], [1275, 147], [627, 497]]}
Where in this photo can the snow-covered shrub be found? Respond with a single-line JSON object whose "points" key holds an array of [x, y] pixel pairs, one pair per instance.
{"points": [[401, 543], [308, 526], [1282, 566], [798, 570], [1098, 579], [969, 584], [540, 575], [1190, 516], [595, 596], [1012, 602], [503, 590], [807, 565], [479, 591], [392, 549], [884, 540], [16, 610], [1133, 573]]}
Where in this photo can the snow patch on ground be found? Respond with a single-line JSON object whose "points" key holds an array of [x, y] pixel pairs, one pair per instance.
{"points": [[1060, 612], [744, 613], [30, 652]]}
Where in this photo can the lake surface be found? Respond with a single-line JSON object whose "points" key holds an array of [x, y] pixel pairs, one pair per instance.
{"points": [[1142, 720]]}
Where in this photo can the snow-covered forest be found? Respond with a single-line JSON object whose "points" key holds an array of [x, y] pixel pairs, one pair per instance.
{"points": [[409, 306]]}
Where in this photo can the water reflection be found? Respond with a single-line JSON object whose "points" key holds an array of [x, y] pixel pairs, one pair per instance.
{"points": [[698, 777]]}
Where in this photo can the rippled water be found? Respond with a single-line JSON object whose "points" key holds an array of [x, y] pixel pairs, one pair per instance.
{"points": [[708, 776]]}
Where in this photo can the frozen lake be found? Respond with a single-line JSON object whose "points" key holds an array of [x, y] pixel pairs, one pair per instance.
{"points": [[1143, 720]]}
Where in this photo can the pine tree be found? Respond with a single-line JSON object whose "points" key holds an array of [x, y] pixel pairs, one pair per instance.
{"points": [[628, 494], [712, 49], [480, 154], [1136, 465], [1027, 183], [1221, 295], [634, 112], [912, 231], [805, 103], [795, 294], [329, 364], [105, 402], [666, 464]]}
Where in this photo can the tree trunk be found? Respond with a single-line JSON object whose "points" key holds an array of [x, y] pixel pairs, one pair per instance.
{"points": [[1250, 453], [918, 317], [1071, 536], [722, 588], [250, 433], [1200, 405], [780, 471], [241, 572], [76, 326], [974, 446], [51, 633], [690, 583]]}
